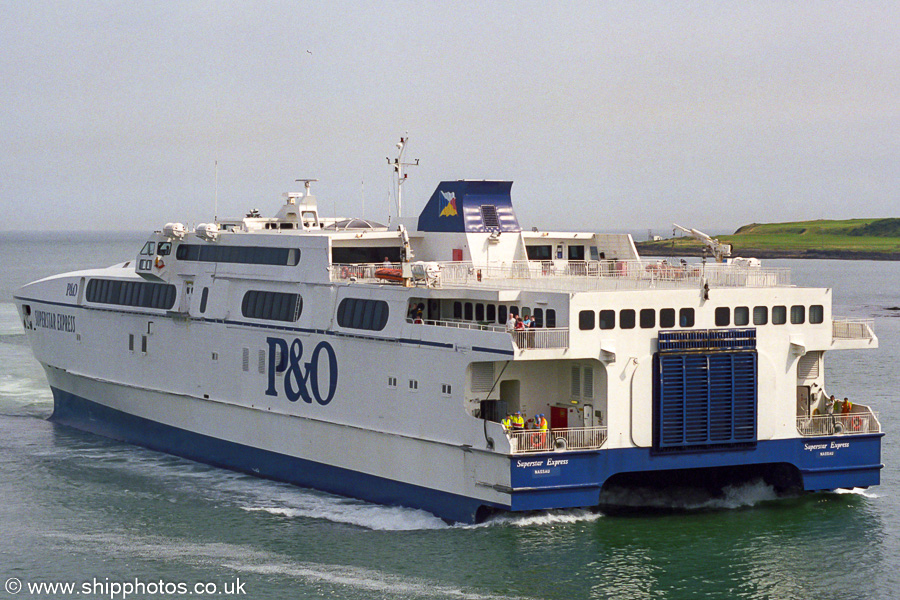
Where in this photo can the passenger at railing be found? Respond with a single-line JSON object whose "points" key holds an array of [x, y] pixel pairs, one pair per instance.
{"points": [[511, 323], [387, 263], [518, 422], [520, 324], [529, 322], [418, 320], [846, 406]]}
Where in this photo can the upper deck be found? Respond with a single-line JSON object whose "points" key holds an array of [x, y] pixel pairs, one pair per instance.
{"points": [[576, 276]]}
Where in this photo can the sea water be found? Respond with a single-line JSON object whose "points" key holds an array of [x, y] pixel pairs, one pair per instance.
{"points": [[79, 509]]}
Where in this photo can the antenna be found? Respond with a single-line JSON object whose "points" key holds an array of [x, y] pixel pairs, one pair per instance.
{"points": [[398, 165], [216, 207]]}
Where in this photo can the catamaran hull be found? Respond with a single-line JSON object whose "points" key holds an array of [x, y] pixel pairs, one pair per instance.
{"points": [[455, 483]]}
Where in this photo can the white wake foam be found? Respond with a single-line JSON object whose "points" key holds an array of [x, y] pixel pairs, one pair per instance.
{"points": [[243, 559]]}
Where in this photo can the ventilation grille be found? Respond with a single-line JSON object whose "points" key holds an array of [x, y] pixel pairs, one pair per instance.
{"points": [[482, 377], [489, 216], [701, 340], [808, 366]]}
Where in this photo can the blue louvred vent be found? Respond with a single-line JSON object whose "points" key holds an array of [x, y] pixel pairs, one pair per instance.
{"points": [[705, 400]]}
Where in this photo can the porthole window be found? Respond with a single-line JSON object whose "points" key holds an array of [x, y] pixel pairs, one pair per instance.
{"points": [[779, 315], [667, 318], [741, 316], [648, 318], [798, 314], [586, 320], [723, 316], [626, 318], [816, 314], [760, 315], [686, 317], [607, 319]]}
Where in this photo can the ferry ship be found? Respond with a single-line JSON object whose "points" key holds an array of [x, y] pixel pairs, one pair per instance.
{"points": [[379, 362]]}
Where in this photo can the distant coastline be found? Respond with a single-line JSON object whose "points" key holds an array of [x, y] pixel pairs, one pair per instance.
{"points": [[853, 239]]}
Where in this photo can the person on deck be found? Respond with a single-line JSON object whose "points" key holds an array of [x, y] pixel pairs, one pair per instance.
{"points": [[511, 323], [518, 422]]}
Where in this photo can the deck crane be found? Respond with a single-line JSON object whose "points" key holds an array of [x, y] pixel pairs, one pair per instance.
{"points": [[719, 250]]}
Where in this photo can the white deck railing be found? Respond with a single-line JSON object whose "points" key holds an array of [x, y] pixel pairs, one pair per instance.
{"points": [[541, 338], [582, 275], [459, 324], [524, 339], [860, 420], [843, 328], [572, 438]]}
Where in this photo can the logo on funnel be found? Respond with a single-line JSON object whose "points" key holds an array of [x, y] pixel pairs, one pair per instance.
{"points": [[448, 204]]}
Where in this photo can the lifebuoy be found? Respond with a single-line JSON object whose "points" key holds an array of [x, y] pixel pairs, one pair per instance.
{"points": [[535, 439], [855, 423]]}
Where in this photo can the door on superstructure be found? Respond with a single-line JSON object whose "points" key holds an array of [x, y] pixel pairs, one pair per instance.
{"points": [[588, 415], [802, 400], [186, 296], [509, 393]]}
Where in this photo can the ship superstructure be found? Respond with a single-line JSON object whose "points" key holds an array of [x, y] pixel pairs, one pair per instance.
{"points": [[378, 362]]}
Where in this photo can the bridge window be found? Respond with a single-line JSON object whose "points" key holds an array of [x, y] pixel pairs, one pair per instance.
{"points": [[491, 312], [143, 294], [686, 317], [648, 318], [247, 255], [626, 318], [741, 315], [798, 314]]}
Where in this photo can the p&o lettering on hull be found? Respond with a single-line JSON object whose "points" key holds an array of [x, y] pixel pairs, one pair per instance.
{"points": [[301, 380]]}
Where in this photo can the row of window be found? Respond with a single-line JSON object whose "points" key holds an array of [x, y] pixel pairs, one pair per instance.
{"points": [[273, 306], [358, 313], [248, 255], [761, 315], [479, 312], [446, 388], [646, 318], [142, 294]]}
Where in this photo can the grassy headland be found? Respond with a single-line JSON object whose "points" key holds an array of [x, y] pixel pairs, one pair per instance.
{"points": [[869, 239]]}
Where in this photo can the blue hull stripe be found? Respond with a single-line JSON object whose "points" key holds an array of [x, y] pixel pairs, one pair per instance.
{"points": [[83, 414]]}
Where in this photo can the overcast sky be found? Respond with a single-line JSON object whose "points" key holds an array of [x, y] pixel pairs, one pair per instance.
{"points": [[606, 115]]}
